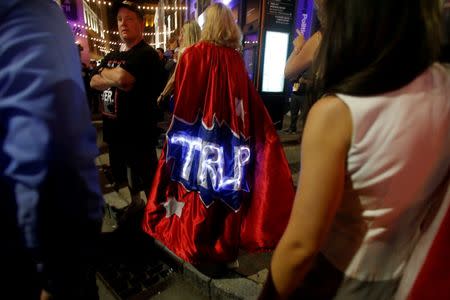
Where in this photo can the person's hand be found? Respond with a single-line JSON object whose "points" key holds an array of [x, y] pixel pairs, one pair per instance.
{"points": [[45, 295], [299, 41], [159, 100]]}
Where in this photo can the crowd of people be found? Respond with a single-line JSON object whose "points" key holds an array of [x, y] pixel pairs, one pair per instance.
{"points": [[371, 213]]}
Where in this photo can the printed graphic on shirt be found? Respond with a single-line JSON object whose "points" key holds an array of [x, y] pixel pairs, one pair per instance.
{"points": [[109, 96], [109, 102]]}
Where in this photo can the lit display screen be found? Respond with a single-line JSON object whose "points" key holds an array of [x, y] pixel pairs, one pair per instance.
{"points": [[201, 20], [275, 54]]}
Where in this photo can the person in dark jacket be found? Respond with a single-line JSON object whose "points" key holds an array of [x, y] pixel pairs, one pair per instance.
{"points": [[51, 205]]}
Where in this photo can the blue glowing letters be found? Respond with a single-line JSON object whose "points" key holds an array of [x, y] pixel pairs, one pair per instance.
{"points": [[212, 161]]}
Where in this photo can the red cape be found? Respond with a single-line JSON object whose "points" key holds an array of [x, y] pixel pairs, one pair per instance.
{"points": [[427, 273], [212, 82]]}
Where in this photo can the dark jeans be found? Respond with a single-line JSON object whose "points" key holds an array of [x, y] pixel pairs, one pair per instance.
{"points": [[75, 280], [70, 258], [117, 162], [141, 166], [325, 282], [21, 279], [134, 164], [297, 104]]}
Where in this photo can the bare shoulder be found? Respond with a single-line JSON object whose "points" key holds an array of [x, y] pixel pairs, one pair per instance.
{"points": [[330, 116], [330, 106]]}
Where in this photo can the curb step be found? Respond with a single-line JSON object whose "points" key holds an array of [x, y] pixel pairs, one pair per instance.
{"points": [[230, 285]]}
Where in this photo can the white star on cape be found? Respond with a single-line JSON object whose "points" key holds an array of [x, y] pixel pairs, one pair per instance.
{"points": [[239, 106], [173, 207]]}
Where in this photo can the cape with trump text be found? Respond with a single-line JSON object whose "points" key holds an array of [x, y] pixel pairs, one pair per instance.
{"points": [[223, 182]]}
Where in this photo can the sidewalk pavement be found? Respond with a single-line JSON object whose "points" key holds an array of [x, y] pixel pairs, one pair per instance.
{"points": [[245, 279]]}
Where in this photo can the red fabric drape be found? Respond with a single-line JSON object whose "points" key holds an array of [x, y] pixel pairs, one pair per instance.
{"points": [[433, 280], [212, 82]]}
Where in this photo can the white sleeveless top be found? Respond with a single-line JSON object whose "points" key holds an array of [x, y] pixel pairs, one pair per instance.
{"points": [[399, 154]]}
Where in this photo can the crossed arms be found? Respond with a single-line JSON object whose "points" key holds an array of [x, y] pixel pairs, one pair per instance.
{"points": [[112, 77]]}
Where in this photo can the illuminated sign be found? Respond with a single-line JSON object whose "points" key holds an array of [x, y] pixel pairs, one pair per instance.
{"points": [[275, 53], [303, 24], [304, 16], [212, 161], [69, 7], [201, 20]]}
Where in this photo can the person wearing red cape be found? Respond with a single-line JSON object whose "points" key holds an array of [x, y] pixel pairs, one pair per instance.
{"points": [[223, 183]]}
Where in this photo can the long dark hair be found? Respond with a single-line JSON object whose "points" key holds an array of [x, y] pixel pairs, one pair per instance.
{"points": [[375, 46]]}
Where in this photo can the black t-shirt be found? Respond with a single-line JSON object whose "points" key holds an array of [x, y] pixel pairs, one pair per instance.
{"points": [[305, 81], [130, 117]]}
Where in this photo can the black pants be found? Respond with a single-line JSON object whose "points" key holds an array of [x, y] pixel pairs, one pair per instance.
{"points": [[117, 162], [141, 165], [134, 164], [69, 259], [297, 104], [325, 282]]}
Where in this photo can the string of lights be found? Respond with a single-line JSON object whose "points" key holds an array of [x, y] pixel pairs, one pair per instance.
{"points": [[81, 35], [165, 7], [99, 40], [144, 7], [109, 43], [83, 30], [99, 2], [106, 51], [145, 33], [86, 27]]}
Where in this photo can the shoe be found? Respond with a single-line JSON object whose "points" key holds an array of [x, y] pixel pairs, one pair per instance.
{"points": [[109, 185], [137, 205], [233, 264], [289, 131]]}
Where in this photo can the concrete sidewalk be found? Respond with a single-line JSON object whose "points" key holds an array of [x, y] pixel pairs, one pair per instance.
{"points": [[243, 281]]}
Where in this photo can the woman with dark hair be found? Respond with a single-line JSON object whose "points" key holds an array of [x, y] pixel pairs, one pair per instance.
{"points": [[375, 153]]}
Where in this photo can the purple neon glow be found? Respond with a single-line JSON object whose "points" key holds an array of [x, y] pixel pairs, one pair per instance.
{"points": [[304, 17], [229, 3], [251, 38]]}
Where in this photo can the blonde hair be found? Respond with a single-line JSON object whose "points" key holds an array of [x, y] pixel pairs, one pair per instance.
{"points": [[191, 34], [220, 27]]}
